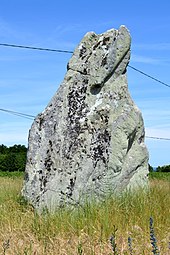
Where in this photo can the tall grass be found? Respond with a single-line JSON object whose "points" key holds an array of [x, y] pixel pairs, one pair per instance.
{"points": [[160, 176], [124, 220]]}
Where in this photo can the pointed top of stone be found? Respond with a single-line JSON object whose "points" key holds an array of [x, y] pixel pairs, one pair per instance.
{"points": [[99, 55]]}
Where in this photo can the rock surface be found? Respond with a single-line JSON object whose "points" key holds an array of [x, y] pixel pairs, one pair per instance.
{"points": [[89, 141]]}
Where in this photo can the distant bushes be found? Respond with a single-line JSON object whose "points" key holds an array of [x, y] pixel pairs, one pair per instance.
{"points": [[151, 169], [12, 158], [163, 169], [160, 169]]}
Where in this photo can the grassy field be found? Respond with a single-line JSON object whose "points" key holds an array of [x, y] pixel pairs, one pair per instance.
{"points": [[86, 230], [159, 176]]}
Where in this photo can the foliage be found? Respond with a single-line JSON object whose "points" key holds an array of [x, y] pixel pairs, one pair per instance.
{"points": [[12, 158], [15, 149], [163, 169], [150, 168]]}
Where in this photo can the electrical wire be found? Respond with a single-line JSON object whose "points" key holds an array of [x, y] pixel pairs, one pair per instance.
{"points": [[158, 138], [19, 114], [28, 116], [70, 52], [31, 117], [149, 76], [34, 48]]}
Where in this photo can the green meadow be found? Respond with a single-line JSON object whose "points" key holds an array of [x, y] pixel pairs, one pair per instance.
{"points": [[119, 225]]}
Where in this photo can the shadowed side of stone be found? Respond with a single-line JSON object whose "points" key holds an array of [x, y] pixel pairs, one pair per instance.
{"points": [[89, 140]]}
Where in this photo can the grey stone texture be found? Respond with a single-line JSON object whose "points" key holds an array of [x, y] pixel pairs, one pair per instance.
{"points": [[89, 140]]}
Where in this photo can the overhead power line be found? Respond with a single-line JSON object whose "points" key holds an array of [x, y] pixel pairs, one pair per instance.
{"points": [[149, 76], [157, 138], [28, 116], [19, 114], [34, 48], [70, 52]]}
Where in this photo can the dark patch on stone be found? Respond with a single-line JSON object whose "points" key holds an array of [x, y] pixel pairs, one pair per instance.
{"points": [[82, 51], [84, 71], [50, 143], [70, 188], [141, 139], [131, 139], [124, 71], [41, 120], [72, 182], [26, 176], [48, 163], [95, 89], [96, 45], [37, 199], [106, 40], [43, 181], [76, 103], [100, 143], [104, 61]]}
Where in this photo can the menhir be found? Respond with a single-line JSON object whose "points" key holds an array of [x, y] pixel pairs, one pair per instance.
{"points": [[89, 140]]}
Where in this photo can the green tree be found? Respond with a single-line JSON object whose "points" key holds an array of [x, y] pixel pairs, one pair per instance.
{"points": [[150, 168], [12, 158], [163, 169], [17, 148], [20, 161], [3, 149], [2, 162]]}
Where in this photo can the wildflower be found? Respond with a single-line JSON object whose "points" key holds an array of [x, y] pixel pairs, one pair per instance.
{"points": [[153, 238]]}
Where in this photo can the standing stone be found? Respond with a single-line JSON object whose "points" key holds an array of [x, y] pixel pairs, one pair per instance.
{"points": [[89, 140]]}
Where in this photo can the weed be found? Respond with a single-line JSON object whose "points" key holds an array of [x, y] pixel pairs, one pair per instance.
{"points": [[113, 241], [155, 250], [80, 249], [6, 245], [130, 246]]}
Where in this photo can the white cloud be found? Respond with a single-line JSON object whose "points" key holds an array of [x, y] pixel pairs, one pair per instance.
{"points": [[12, 132], [9, 139], [152, 46], [161, 131], [143, 59]]}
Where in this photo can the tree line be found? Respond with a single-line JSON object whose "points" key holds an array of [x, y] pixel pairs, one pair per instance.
{"points": [[162, 169], [13, 158]]}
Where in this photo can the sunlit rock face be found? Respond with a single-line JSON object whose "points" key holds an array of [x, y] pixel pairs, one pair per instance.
{"points": [[89, 140]]}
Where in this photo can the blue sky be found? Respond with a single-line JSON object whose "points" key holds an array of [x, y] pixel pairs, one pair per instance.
{"points": [[28, 79]]}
